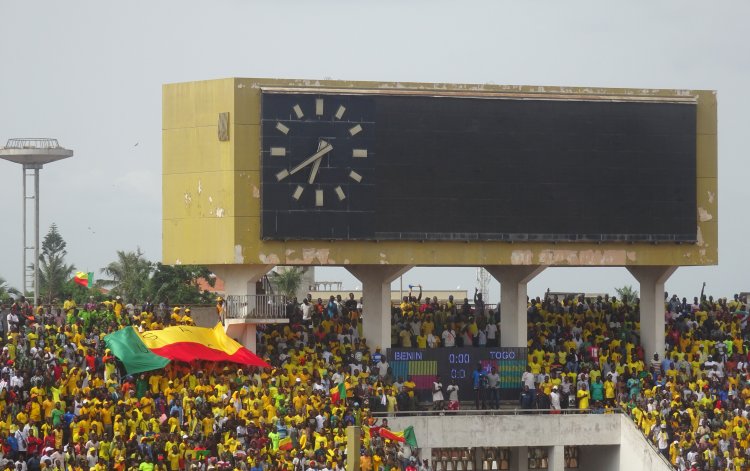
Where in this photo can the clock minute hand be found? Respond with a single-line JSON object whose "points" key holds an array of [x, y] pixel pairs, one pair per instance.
{"points": [[311, 159]]}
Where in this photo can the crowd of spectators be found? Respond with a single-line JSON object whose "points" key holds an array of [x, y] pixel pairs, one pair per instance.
{"points": [[692, 403], [66, 403]]}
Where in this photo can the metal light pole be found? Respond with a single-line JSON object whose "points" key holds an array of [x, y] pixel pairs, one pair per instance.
{"points": [[32, 154]]}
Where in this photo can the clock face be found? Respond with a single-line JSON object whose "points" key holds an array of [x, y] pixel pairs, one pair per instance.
{"points": [[318, 158]]}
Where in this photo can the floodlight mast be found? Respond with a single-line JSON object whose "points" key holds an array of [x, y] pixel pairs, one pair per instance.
{"points": [[32, 154]]}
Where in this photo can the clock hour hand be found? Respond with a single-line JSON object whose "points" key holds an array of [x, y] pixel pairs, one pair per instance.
{"points": [[328, 148], [316, 165]]}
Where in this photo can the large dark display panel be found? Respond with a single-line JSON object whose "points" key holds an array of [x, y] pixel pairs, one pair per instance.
{"points": [[448, 168]]}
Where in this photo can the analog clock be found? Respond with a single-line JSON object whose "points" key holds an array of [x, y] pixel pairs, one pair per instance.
{"points": [[318, 157]]}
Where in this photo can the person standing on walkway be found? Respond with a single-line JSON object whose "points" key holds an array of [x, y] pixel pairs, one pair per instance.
{"points": [[437, 394], [554, 401], [493, 388], [479, 379]]}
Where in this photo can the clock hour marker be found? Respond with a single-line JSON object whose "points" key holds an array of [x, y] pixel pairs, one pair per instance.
{"points": [[340, 193], [319, 106], [355, 176], [297, 192], [359, 153], [282, 175], [282, 128], [278, 151], [355, 130], [340, 112], [318, 197], [298, 111]]}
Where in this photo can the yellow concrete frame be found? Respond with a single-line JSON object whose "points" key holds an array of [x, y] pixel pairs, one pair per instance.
{"points": [[211, 188]]}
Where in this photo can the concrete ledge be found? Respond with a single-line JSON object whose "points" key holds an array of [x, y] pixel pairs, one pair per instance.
{"points": [[512, 430], [606, 441]]}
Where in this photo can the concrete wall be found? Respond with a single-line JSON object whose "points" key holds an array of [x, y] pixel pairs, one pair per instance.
{"points": [[512, 430], [636, 452], [607, 442], [598, 458], [204, 316]]}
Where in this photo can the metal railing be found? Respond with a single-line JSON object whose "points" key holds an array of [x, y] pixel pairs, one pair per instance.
{"points": [[32, 143], [255, 306], [509, 411]]}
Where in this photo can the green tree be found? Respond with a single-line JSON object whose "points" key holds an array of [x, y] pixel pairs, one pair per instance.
{"points": [[627, 293], [6, 292], [53, 271], [129, 275], [287, 280], [179, 284]]}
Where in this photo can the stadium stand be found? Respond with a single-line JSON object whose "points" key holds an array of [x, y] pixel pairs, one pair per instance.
{"points": [[67, 403]]}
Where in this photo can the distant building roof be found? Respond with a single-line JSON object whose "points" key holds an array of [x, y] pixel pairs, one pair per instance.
{"points": [[218, 286]]}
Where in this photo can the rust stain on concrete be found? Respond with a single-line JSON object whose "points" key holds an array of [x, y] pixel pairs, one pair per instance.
{"points": [[310, 256], [522, 257], [270, 259]]}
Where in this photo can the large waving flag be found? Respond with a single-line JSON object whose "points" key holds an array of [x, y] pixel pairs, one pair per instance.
{"points": [[153, 349], [84, 279], [406, 436]]}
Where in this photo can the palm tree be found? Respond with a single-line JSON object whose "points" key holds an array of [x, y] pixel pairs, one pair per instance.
{"points": [[627, 294], [7, 291], [129, 275], [287, 280]]}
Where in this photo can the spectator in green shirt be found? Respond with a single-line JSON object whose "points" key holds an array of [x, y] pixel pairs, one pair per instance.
{"points": [[597, 390]]}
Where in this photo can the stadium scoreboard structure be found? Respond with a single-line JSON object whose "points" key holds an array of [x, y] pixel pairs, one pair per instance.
{"points": [[459, 364], [295, 172]]}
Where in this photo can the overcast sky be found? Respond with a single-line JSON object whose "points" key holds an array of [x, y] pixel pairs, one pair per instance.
{"points": [[90, 73]]}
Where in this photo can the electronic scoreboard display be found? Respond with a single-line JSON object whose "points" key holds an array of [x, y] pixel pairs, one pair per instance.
{"points": [[459, 364]]}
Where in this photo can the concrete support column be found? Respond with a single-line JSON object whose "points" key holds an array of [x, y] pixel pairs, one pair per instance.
{"points": [[519, 458], [239, 280], [243, 332], [651, 281], [353, 444], [513, 281], [376, 292], [426, 454], [556, 458]]}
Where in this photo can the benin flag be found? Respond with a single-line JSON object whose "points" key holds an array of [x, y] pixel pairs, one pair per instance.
{"points": [[84, 279], [406, 436], [153, 349], [338, 392], [285, 444]]}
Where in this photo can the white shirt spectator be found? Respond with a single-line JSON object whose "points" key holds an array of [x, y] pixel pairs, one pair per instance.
{"points": [[491, 331], [452, 390], [482, 338], [383, 368], [528, 380], [21, 438], [554, 400], [16, 381], [320, 421], [449, 338], [306, 310]]}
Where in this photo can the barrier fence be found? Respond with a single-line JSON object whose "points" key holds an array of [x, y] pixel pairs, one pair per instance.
{"points": [[255, 306]]}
